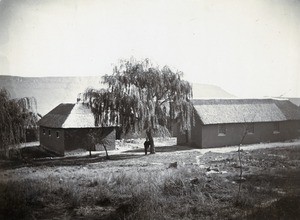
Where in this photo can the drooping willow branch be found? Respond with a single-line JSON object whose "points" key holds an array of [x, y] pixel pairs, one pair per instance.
{"points": [[142, 97]]}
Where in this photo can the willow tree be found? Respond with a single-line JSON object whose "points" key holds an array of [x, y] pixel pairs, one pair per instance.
{"points": [[14, 117], [141, 97]]}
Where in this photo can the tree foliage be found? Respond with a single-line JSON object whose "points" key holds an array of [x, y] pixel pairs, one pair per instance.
{"points": [[14, 118], [141, 97]]}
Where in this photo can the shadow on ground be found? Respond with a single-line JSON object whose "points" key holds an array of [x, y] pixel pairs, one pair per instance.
{"points": [[35, 158], [162, 149], [65, 161]]}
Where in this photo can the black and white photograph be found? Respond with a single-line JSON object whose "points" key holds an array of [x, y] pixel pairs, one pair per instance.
{"points": [[149, 109]]}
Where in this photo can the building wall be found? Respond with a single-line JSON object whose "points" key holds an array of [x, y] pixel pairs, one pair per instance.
{"points": [[196, 133], [52, 142], [108, 138], [79, 138], [290, 129], [263, 132]]}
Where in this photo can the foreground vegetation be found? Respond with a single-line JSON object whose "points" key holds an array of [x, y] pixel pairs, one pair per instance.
{"points": [[147, 187]]}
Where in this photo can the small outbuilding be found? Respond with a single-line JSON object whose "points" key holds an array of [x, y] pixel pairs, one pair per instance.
{"points": [[72, 126], [225, 122]]}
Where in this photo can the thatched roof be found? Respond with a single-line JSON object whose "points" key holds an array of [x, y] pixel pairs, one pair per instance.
{"points": [[221, 111], [68, 116]]}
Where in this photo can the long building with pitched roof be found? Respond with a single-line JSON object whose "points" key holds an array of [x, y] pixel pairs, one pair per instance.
{"points": [[225, 122]]}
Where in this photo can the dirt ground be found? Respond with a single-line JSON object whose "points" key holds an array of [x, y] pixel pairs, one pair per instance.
{"points": [[269, 185]]}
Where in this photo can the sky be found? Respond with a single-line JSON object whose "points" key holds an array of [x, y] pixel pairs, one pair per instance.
{"points": [[249, 48]]}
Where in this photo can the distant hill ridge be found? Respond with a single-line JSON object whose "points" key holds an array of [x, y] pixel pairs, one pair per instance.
{"points": [[51, 91], [48, 91], [209, 91]]}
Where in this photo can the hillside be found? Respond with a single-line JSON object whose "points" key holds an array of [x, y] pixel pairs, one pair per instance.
{"points": [[51, 91], [294, 100], [201, 91]]}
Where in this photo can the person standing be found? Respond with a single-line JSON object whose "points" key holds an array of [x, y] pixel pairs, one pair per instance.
{"points": [[146, 146]]}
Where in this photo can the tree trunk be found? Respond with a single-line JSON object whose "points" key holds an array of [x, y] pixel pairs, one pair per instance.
{"points": [[150, 138], [107, 157]]}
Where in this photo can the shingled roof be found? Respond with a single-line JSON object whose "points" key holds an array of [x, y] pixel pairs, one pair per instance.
{"points": [[68, 116], [221, 111]]}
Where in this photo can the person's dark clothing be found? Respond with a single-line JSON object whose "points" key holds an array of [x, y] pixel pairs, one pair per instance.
{"points": [[146, 146]]}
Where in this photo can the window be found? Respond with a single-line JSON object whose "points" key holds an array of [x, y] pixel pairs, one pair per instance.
{"points": [[49, 132], [57, 134], [250, 128], [44, 131], [276, 128], [221, 130]]}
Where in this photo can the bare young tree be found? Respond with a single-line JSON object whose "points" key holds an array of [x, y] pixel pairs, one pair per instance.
{"points": [[98, 138], [240, 160], [141, 97], [246, 131]]}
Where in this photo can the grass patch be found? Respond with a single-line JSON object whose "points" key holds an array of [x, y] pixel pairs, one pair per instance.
{"points": [[169, 194], [145, 188]]}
